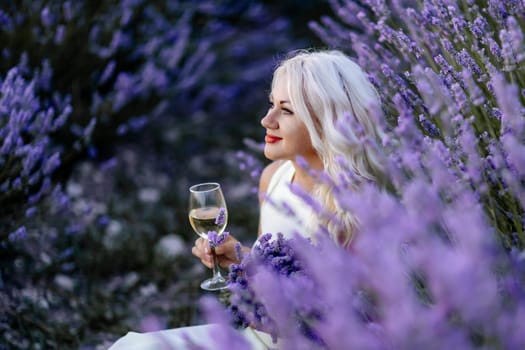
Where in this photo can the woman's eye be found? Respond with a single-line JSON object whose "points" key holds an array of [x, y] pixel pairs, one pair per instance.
{"points": [[286, 111]]}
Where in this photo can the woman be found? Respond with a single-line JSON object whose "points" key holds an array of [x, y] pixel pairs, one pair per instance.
{"points": [[320, 116], [311, 94]]}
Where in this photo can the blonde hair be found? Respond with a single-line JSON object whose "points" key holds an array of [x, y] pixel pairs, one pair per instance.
{"points": [[335, 100]]}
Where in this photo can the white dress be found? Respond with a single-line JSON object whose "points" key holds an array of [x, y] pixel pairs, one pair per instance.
{"points": [[283, 212]]}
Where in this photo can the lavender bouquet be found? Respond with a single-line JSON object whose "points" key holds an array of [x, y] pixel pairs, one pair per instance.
{"points": [[275, 257]]}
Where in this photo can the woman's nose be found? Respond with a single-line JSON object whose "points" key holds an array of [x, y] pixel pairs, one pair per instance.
{"points": [[269, 121]]}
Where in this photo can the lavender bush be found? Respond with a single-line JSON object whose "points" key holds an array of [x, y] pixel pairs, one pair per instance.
{"points": [[438, 261], [101, 57], [417, 276], [27, 154], [454, 68]]}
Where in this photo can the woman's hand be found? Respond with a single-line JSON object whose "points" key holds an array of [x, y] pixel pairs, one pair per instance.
{"points": [[225, 252]]}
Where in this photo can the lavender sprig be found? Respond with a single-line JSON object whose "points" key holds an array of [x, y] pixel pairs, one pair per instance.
{"points": [[221, 217], [216, 239], [273, 256]]}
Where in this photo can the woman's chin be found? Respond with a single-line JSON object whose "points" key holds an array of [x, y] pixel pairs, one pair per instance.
{"points": [[270, 155]]}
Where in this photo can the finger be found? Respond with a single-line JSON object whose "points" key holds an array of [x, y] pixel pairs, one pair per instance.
{"points": [[220, 250], [200, 252], [204, 258], [203, 245], [207, 262], [206, 246], [200, 242], [226, 247], [196, 251]]}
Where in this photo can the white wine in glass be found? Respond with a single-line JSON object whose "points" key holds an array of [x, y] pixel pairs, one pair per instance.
{"points": [[206, 202]]}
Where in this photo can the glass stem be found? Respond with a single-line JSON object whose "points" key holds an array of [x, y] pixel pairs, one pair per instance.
{"points": [[216, 270]]}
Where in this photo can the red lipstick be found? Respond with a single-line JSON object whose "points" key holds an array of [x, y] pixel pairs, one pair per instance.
{"points": [[271, 139]]}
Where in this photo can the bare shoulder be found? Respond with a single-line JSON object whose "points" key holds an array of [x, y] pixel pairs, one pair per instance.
{"points": [[266, 176]]}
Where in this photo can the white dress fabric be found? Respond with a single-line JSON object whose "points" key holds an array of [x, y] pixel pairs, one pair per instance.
{"points": [[281, 211]]}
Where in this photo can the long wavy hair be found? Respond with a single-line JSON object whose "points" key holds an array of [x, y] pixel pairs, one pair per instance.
{"points": [[334, 98]]}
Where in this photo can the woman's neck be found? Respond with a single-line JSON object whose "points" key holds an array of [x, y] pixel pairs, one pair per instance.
{"points": [[302, 176]]}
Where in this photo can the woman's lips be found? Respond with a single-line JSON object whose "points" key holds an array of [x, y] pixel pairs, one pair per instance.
{"points": [[271, 139]]}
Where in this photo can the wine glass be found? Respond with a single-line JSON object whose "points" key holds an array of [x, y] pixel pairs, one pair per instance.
{"points": [[206, 202]]}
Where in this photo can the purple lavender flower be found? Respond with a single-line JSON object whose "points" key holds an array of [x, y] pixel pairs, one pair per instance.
{"points": [[279, 257], [5, 21], [51, 164], [216, 239], [478, 27], [516, 37], [495, 49], [459, 96], [47, 17], [26, 146], [429, 126], [30, 212], [103, 220], [33, 155], [221, 217], [152, 323], [18, 235], [59, 35], [107, 72], [475, 93], [224, 336]]}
